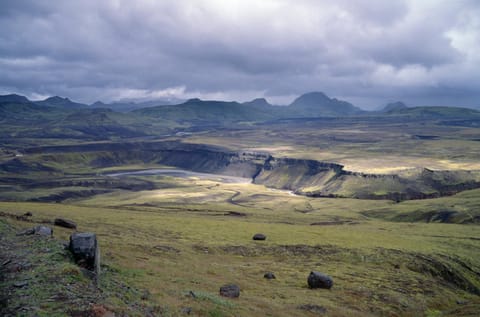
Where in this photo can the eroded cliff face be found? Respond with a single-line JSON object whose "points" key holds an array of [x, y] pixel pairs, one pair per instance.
{"points": [[304, 177], [319, 179]]}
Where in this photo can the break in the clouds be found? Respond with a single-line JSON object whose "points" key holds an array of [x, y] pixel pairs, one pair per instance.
{"points": [[364, 51]]}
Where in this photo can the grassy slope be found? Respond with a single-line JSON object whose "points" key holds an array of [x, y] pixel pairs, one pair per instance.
{"points": [[38, 277], [177, 240]]}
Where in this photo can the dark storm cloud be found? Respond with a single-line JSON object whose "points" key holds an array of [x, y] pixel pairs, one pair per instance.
{"points": [[366, 51]]}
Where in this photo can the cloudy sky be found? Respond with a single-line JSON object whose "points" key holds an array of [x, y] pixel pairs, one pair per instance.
{"points": [[367, 52]]}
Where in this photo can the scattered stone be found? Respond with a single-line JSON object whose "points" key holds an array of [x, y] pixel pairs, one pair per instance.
{"points": [[235, 214], [269, 276], [187, 310], [6, 262], [259, 237], [28, 214], [230, 290], [20, 284], [85, 250], [26, 232], [319, 280], [40, 230], [43, 231], [313, 308], [65, 223]]}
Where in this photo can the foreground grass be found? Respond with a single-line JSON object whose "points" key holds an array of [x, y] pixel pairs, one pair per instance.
{"points": [[38, 277], [195, 237]]}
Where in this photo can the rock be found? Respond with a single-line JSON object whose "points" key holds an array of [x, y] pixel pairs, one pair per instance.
{"points": [[85, 250], [43, 231], [259, 236], [26, 232], [65, 223], [28, 214], [230, 290], [6, 262], [269, 276], [319, 280], [20, 284], [40, 230], [187, 310]]}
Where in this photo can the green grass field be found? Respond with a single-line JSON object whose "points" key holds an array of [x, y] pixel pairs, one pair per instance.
{"points": [[196, 235]]}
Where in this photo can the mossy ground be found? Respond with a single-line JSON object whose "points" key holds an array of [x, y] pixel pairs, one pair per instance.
{"points": [[196, 235], [40, 278]]}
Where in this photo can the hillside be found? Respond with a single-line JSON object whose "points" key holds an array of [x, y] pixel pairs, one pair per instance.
{"points": [[200, 111], [317, 104], [62, 103]]}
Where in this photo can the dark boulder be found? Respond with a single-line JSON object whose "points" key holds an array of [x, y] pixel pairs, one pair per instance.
{"points": [[65, 223], [269, 276], [319, 280], [28, 214], [85, 250], [259, 237], [230, 290]]}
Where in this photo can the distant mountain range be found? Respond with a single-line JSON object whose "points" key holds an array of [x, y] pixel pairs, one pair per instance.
{"points": [[57, 117]]}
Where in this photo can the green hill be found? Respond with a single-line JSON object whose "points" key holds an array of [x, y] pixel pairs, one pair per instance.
{"points": [[200, 111], [317, 104]]}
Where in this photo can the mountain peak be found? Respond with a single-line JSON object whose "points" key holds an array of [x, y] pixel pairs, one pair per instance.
{"points": [[317, 104], [311, 98], [193, 100], [60, 102], [98, 104], [394, 106], [57, 99], [14, 98], [257, 102]]}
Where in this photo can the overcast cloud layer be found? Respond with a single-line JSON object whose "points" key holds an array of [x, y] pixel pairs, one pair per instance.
{"points": [[367, 52]]}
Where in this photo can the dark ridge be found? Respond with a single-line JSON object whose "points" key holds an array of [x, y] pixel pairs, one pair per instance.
{"points": [[13, 98]]}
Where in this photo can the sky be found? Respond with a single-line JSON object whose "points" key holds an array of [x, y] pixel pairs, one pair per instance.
{"points": [[368, 52]]}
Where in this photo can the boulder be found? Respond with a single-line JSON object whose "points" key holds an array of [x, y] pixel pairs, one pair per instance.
{"points": [[259, 236], [65, 223], [319, 280], [85, 250], [28, 214], [230, 290], [269, 276], [43, 231]]}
